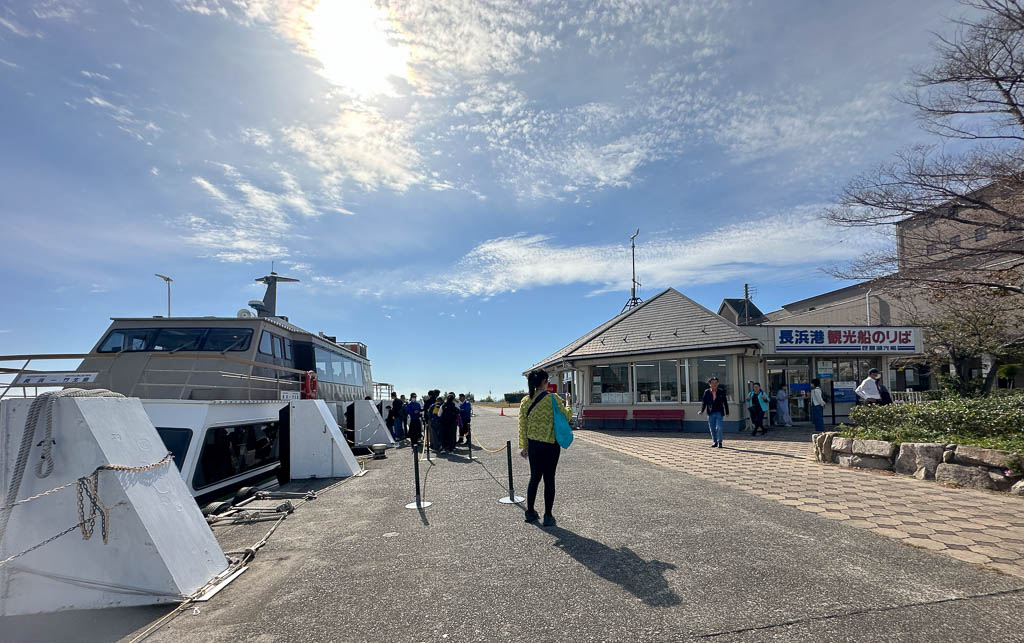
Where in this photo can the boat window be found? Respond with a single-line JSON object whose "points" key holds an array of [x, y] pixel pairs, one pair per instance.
{"points": [[178, 339], [176, 441], [229, 451], [338, 367], [126, 339], [278, 350], [287, 349], [323, 364], [265, 343], [228, 339], [357, 374]]}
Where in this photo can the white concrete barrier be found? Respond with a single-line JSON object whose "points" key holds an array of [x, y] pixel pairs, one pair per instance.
{"points": [[159, 547], [370, 427], [318, 449]]}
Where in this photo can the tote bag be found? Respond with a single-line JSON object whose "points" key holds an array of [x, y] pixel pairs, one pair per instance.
{"points": [[563, 432]]}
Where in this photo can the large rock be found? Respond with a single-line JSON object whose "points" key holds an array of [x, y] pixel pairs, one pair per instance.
{"points": [[823, 446], [877, 448], [1001, 481], [842, 445], [924, 474], [1018, 489], [948, 456], [914, 455], [964, 476], [870, 462], [980, 456]]}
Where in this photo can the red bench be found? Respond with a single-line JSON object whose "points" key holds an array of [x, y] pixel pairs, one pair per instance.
{"points": [[598, 418], [658, 416]]}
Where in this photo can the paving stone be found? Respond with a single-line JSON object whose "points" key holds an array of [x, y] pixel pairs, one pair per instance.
{"points": [[952, 539], [1009, 569], [861, 524], [924, 543], [918, 530], [993, 552], [891, 533], [968, 556], [834, 515]]}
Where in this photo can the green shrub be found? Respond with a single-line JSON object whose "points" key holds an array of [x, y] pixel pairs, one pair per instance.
{"points": [[994, 422]]}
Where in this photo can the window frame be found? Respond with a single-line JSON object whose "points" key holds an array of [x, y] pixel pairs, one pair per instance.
{"points": [[269, 336], [245, 425], [628, 384], [657, 363]]}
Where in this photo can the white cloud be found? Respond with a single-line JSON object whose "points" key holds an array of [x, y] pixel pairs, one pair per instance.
{"points": [[155, 171], [250, 222], [257, 137], [365, 147], [8, 63], [4, 330], [138, 128], [769, 246], [56, 9], [17, 29], [95, 75]]}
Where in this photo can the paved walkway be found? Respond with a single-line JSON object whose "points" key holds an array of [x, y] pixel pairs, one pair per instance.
{"points": [[985, 528]]}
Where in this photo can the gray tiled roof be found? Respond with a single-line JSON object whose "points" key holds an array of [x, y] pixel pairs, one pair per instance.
{"points": [[668, 321]]}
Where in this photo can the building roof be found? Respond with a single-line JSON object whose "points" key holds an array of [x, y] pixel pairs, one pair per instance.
{"points": [[742, 308], [668, 321]]}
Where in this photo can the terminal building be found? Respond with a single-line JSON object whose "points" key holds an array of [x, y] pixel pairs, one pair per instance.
{"points": [[661, 353]]}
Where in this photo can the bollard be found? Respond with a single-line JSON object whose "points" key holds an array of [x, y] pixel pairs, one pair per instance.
{"points": [[420, 503], [511, 498], [469, 444]]}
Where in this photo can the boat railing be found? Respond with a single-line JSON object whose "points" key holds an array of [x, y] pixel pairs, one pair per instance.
{"points": [[285, 379]]}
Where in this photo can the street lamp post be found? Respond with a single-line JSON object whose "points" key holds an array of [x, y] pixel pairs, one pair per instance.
{"points": [[168, 280]]}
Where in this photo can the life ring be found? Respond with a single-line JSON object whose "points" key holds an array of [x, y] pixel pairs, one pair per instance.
{"points": [[309, 385]]}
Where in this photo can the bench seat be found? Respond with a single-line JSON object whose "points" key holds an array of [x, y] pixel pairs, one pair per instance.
{"points": [[672, 417], [600, 418]]}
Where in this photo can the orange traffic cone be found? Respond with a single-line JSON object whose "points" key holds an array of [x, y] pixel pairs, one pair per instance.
{"points": [[502, 414]]}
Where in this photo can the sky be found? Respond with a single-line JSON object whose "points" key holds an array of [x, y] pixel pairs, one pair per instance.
{"points": [[455, 182]]}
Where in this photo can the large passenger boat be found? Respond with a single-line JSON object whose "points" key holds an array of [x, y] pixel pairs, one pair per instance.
{"points": [[217, 388]]}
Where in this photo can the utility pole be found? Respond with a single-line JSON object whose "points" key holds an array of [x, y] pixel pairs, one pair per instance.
{"points": [[634, 301], [168, 280], [746, 304]]}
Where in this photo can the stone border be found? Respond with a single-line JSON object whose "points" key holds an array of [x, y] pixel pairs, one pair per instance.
{"points": [[955, 464]]}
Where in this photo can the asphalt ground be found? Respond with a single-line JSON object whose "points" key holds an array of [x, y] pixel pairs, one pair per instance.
{"points": [[641, 553]]}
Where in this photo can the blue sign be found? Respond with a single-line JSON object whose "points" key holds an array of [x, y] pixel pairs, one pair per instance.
{"points": [[844, 395], [800, 386]]}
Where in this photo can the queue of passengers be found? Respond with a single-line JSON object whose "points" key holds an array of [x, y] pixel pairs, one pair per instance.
{"points": [[447, 418]]}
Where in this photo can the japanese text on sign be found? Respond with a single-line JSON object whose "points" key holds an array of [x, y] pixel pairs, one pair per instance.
{"points": [[852, 339]]}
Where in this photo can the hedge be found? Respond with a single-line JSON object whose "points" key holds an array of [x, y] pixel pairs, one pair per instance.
{"points": [[991, 422]]}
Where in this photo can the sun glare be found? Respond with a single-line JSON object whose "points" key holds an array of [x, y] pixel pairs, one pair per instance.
{"points": [[351, 41]]}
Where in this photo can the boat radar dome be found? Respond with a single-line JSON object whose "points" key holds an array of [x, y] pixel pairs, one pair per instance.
{"points": [[268, 307]]}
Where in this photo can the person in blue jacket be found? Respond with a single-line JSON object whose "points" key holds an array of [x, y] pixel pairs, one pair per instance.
{"points": [[414, 409], [757, 404], [466, 411]]}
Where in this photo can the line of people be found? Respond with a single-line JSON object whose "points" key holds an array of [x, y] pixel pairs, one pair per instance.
{"points": [[447, 418]]}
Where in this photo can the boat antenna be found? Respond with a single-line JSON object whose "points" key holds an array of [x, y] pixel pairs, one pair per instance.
{"points": [[268, 307], [634, 301]]}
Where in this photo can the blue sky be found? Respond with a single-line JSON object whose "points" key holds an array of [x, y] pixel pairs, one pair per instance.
{"points": [[454, 182]]}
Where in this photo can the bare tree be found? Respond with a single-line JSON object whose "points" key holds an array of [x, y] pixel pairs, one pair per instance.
{"points": [[956, 217], [963, 329]]}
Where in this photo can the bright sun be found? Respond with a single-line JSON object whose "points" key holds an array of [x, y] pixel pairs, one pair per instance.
{"points": [[351, 40]]}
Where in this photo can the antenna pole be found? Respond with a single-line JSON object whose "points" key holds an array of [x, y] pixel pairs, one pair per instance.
{"points": [[634, 301]]}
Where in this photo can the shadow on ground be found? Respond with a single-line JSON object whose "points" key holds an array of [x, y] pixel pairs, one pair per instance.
{"points": [[644, 579]]}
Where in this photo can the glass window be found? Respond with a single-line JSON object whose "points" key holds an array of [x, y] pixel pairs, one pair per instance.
{"points": [[357, 379], [704, 368], [278, 347], [338, 367], [229, 451], [323, 364], [266, 343], [176, 441], [178, 339], [954, 241], [866, 364], [610, 384], [228, 339], [980, 234], [287, 349], [126, 340], [656, 381], [846, 371]]}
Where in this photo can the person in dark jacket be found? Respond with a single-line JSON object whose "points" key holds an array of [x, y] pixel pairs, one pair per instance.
{"points": [[715, 404], [449, 422], [413, 409], [466, 411]]}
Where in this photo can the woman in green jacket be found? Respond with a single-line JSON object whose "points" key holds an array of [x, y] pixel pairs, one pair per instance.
{"points": [[537, 442]]}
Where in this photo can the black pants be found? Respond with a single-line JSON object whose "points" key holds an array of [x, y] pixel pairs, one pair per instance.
{"points": [[448, 436], [757, 418], [415, 430], [543, 461], [464, 429]]}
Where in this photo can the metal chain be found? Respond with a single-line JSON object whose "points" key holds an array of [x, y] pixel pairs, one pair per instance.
{"points": [[45, 542], [489, 450], [88, 488]]}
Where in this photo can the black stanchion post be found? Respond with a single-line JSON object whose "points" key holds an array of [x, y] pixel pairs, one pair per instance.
{"points": [[511, 498], [420, 503]]}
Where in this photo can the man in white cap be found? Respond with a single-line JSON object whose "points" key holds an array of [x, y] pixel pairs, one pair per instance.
{"points": [[868, 390]]}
